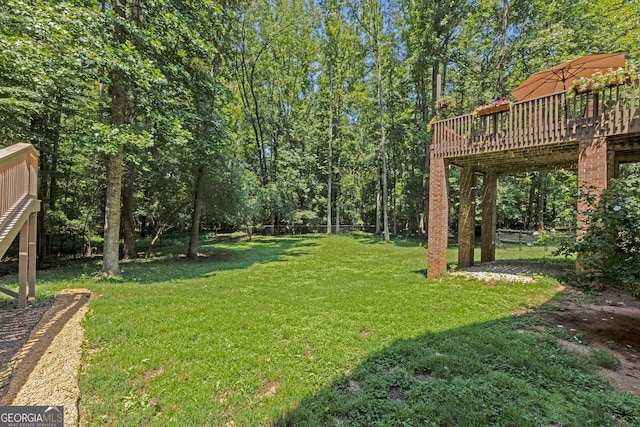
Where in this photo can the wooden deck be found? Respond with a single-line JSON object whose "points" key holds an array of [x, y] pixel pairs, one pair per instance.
{"points": [[542, 133], [590, 132]]}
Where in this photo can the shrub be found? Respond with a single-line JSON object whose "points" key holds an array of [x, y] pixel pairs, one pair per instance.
{"points": [[610, 250]]}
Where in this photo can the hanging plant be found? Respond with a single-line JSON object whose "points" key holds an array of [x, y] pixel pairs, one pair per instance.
{"points": [[446, 102]]}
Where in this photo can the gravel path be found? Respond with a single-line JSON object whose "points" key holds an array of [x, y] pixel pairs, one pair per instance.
{"points": [[517, 271], [46, 368]]}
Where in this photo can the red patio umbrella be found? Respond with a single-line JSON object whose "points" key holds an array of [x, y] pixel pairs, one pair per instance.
{"points": [[560, 78]]}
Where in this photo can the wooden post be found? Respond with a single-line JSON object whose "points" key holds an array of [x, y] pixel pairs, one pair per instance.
{"points": [[467, 217], [488, 232], [31, 274], [23, 264]]}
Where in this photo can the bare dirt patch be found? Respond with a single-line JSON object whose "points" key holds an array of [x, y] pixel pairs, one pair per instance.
{"points": [[269, 388], [608, 320]]}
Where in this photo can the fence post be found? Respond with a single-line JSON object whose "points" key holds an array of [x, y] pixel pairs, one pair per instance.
{"points": [[519, 240]]}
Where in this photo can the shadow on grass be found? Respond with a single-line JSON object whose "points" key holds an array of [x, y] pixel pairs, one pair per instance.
{"points": [[402, 242], [217, 254], [506, 372], [213, 259]]}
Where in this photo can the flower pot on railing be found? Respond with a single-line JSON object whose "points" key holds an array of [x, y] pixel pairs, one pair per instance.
{"points": [[493, 107], [601, 80], [492, 110], [579, 90]]}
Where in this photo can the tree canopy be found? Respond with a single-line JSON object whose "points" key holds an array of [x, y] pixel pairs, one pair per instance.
{"points": [[154, 115]]}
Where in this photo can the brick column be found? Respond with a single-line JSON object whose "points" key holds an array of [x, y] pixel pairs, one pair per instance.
{"points": [[596, 168], [467, 217], [488, 232], [438, 232]]}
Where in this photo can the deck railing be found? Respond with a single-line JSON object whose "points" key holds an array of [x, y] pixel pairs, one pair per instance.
{"points": [[546, 120], [18, 208], [18, 175]]}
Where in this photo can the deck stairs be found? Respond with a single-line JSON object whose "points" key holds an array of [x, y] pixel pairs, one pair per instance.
{"points": [[19, 206]]}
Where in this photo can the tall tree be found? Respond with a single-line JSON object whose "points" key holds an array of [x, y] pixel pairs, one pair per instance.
{"points": [[114, 159], [275, 60], [370, 18], [128, 190], [431, 37]]}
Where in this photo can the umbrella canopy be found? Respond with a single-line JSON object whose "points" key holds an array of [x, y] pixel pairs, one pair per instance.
{"points": [[560, 78]]}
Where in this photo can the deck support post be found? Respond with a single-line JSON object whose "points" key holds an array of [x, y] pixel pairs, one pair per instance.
{"points": [[32, 250], [596, 168], [27, 261], [488, 231], [467, 217], [23, 265], [438, 231]]}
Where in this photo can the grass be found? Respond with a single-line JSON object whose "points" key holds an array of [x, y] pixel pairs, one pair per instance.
{"points": [[313, 330]]}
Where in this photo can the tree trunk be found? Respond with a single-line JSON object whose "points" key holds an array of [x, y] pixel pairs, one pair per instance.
{"points": [[338, 206], [383, 153], [436, 82], [330, 152], [394, 208], [436, 90], [130, 251], [529, 220], [541, 200], [196, 215], [111, 252], [378, 198], [503, 46]]}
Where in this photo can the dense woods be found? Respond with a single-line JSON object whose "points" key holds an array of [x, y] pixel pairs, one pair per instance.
{"points": [[157, 115]]}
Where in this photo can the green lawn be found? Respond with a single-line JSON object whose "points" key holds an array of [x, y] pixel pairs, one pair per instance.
{"points": [[325, 331]]}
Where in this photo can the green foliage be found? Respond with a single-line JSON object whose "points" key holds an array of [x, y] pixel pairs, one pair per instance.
{"points": [[610, 249], [605, 360], [243, 89], [476, 375]]}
